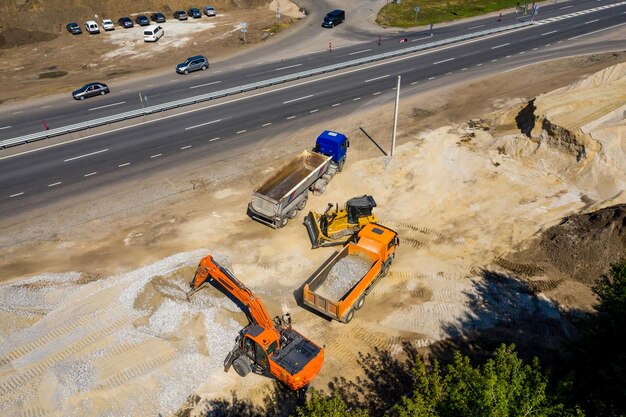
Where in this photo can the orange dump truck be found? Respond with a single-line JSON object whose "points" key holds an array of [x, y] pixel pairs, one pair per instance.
{"points": [[340, 285]]}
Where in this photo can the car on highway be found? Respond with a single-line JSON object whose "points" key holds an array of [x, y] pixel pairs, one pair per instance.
{"points": [[158, 17], [142, 20], [73, 28], [90, 90], [195, 13], [209, 11], [125, 22], [107, 24], [180, 15], [191, 64], [153, 33]]}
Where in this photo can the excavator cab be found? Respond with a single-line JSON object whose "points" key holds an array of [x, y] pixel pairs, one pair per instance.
{"points": [[336, 227]]}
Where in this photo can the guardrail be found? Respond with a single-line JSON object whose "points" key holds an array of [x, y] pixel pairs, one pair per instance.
{"points": [[20, 140]]}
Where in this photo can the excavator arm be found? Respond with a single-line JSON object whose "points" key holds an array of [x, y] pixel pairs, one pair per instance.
{"points": [[208, 270]]}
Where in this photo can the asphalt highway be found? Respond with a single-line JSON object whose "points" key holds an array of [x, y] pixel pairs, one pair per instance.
{"points": [[27, 119], [35, 178]]}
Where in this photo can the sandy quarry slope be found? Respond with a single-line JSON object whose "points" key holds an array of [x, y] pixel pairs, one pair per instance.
{"points": [[93, 330]]}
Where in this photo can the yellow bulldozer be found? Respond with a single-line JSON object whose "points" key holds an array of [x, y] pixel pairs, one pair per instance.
{"points": [[336, 227]]}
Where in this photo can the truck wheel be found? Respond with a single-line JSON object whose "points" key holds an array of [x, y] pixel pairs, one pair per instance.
{"points": [[340, 166], [242, 366], [360, 302], [385, 270], [293, 213], [349, 316], [302, 204], [283, 222]]}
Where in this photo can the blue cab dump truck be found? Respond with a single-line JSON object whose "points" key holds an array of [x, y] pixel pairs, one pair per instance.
{"points": [[280, 197]]}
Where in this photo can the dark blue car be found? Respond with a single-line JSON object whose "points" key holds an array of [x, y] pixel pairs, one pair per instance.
{"points": [[195, 13], [125, 22], [74, 28], [142, 20]]}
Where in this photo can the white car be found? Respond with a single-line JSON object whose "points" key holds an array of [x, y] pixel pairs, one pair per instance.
{"points": [[209, 11], [107, 24], [153, 33], [91, 27]]}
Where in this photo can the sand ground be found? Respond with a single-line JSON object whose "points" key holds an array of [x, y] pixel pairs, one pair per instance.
{"points": [[93, 315]]}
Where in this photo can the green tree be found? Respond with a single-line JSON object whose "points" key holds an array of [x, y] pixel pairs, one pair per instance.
{"points": [[320, 404], [600, 358]]}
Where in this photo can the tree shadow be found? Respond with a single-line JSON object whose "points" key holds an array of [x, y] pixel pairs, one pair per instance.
{"points": [[278, 401]]}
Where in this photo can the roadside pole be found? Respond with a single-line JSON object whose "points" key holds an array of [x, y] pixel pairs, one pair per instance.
{"points": [[141, 99], [395, 118]]}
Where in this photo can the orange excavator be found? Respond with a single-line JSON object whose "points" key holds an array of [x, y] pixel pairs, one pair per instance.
{"points": [[265, 346]]}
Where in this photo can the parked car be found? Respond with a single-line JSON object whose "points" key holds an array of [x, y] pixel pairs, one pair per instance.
{"points": [[90, 90], [158, 17], [209, 11], [107, 24], [73, 28], [142, 20], [193, 63], [125, 22], [195, 13], [92, 27], [180, 15], [334, 18], [153, 33]]}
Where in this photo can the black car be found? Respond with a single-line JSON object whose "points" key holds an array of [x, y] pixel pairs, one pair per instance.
{"points": [[90, 90], [158, 17], [180, 15], [195, 13], [74, 28], [142, 20], [125, 22]]}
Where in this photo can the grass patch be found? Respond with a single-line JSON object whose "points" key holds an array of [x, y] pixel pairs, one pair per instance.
{"points": [[52, 74], [438, 11]]}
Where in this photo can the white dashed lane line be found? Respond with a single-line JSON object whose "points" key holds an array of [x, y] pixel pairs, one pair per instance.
{"points": [[47, 107], [549, 33], [431, 78], [297, 99], [266, 124], [592, 21], [185, 147], [290, 66], [355, 99], [16, 195], [500, 46], [156, 156], [376, 93], [441, 62], [414, 82], [291, 117], [214, 139], [360, 52], [377, 78], [124, 165], [204, 85], [90, 174], [475, 27], [108, 105], [464, 69], [203, 124], [55, 184], [85, 155], [336, 104], [313, 111], [241, 131], [6, 127], [565, 7], [18, 112]]}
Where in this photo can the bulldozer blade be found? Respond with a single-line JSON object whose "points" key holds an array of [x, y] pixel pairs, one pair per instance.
{"points": [[313, 229]]}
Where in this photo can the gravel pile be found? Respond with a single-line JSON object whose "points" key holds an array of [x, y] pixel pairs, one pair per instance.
{"points": [[343, 275]]}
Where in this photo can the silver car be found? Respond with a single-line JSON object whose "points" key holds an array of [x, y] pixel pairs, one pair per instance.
{"points": [[90, 90], [194, 63]]}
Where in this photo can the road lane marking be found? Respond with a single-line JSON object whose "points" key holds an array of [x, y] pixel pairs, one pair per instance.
{"points": [[214, 139], [548, 33], [493, 60], [475, 27], [108, 105], [419, 39], [296, 99], [85, 155], [565, 7], [377, 78], [203, 124], [431, 78], [6, 127], [123, 91], [360, 52], [374, 94], [124, 165], [534, 49], [500, 46], [16, 195], [478, 65], [47, 107], [596, 31], [204, 85], [523, 52], [464, 69], [445, 60], [90, 174], [150, 85], [287, 67], [313, 111], [291, 117], [18, 112], [185, 147], [54, 184], [355, 99], [414, 82], [592, 21], [242, 131], [266, 124], [336, 104], [156, 156], [447, 73]]}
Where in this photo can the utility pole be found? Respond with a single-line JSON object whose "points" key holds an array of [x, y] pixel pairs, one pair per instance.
{"points": [[395, 118]]}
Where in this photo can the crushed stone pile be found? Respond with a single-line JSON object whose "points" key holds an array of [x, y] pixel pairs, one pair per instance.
{"points": [[343, 276]]}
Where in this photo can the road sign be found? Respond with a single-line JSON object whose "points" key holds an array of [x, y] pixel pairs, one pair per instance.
{"points": [[417, 10], [244, 27]]}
